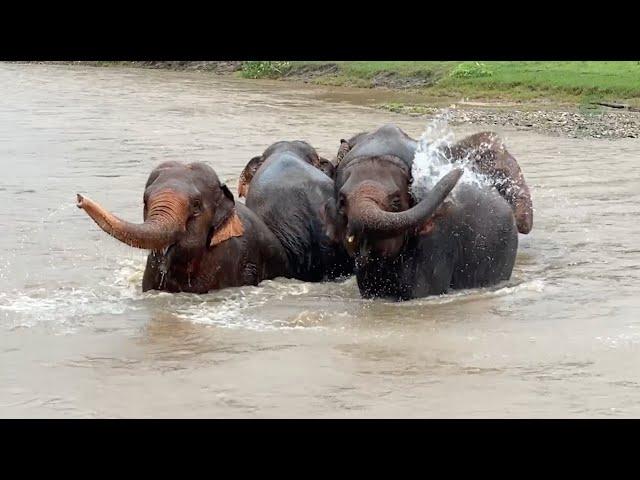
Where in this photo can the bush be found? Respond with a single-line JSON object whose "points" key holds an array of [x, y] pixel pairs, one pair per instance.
{"points": [[471, 70], [264, 69]]}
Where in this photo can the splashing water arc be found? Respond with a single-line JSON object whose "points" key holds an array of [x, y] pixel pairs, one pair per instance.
{"points": [[431, 161]]}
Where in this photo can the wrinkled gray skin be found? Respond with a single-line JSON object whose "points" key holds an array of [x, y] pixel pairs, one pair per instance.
{"points": [[473, 243], [387, 140], [403, 250], [301, 149], [288, 192]]}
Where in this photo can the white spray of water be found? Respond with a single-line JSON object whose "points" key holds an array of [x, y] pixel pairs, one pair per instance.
{"points": [[431, 161]]}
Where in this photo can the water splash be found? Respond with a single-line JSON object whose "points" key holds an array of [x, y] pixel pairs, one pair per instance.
{"points": [[432, 160], [242, 307]]}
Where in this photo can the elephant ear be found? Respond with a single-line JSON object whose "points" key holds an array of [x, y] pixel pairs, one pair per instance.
{"points": [[342, 150], [247, 175], [231, 227], [330, 218], [227, 192]]}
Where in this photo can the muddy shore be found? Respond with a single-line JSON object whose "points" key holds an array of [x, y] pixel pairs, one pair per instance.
{"points": [[568, 122], [558, 120]]}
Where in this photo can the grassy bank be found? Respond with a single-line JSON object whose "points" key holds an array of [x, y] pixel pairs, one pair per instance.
{"points": [[572, 82], [528, 82]]}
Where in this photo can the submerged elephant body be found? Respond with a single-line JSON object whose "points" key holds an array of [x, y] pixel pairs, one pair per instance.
{"points": [[288, 193], [313, 220], [200, 238], [405, 249], [471, 242], [245, 259]]}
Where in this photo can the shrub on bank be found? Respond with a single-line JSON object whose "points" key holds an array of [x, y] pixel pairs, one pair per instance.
{"points": [[471, 70], [264, 69]]}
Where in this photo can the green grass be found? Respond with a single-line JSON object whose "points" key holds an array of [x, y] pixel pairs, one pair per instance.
{"points": [[574, 78], [368, 70], [265, 69], [576, 82]]}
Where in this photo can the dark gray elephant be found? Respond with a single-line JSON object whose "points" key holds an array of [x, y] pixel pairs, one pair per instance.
{"points": [[302, 150], [288, 192], [404, 249]]}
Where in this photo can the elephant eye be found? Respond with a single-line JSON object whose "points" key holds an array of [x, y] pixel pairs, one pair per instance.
{"points": [[197, 205]]}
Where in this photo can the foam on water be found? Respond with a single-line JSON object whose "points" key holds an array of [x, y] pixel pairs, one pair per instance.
{"points": [[69, 307], [240, 307], [536, 286], [274, 304]]}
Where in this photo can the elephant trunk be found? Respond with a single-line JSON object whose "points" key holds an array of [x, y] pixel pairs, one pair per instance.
{"points": [[369, 217], [164, 222]]}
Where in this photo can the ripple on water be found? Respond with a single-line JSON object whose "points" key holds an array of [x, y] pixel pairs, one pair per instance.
{"points": [[470, 295], [274, 304]]}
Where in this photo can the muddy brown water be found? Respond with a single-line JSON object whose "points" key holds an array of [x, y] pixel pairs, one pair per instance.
{"points": [[78, 338]]}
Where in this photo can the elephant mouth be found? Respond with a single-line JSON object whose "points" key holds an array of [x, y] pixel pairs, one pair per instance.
{"points": [[166, 251]]}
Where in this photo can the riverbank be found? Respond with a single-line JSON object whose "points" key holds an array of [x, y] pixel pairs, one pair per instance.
{"points": [[555, 98], [571, 82], [574, 99], [79, 338], [218, 67], [567, 122]]}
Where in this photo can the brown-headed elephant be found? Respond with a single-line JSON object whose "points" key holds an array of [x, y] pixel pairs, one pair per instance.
{"points": [[200, 238]]}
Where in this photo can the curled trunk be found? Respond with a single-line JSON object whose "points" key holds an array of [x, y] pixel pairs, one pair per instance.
{"points": [[164, 223], [371, 218]]}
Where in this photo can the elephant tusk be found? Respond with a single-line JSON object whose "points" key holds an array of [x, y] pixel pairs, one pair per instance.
{"points": [[350, 238]]}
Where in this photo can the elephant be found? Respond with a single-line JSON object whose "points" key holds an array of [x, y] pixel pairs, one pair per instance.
{"points": [[484, 151], [200, 238], [288, 192], [405, 249], [303, 150], [488, 155]]}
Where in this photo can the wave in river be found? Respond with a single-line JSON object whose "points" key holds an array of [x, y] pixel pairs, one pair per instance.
{"points": [[274, 304]]}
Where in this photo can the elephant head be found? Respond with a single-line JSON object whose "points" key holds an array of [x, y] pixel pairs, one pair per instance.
{"points": [[373, 211], [302, 149], [185, 206]]}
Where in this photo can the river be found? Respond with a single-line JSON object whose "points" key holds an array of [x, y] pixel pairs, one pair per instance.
{"points": [[78, 338]]}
